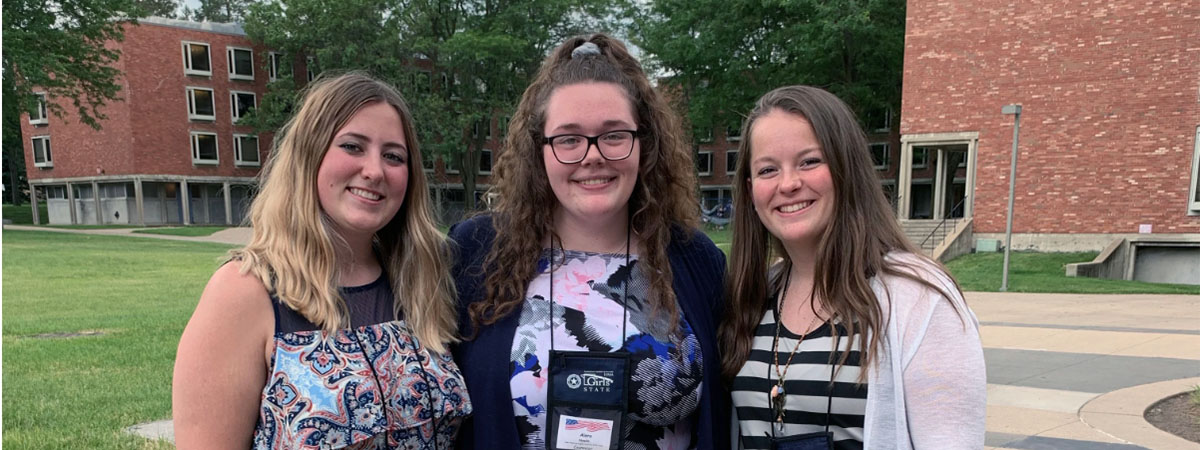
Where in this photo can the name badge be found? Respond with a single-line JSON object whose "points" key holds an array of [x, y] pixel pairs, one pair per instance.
{"points": [[587, 400], [582, 433]]}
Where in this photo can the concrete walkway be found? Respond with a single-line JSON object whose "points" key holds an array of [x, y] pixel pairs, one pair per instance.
{"points": [[234, 235], [1065, 371]]}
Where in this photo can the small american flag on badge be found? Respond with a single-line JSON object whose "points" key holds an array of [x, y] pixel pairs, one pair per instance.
{"points": [[590, 425]]}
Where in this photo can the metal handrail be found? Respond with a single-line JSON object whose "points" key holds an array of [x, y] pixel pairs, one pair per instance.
{"points": [[940, 226]]}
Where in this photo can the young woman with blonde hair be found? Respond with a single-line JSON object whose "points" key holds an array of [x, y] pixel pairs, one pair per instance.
{"points": [[331, 328], [590, 256], [840, 333]]}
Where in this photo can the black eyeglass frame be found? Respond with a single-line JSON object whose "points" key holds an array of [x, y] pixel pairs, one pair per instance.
{"points": [[591, 140]]}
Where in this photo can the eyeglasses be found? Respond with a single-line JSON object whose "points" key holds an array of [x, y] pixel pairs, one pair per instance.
{"points": [[572, 148]]}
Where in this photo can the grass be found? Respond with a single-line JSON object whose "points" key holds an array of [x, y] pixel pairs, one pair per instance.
{"points": [[94, 227], [23, 215], [1046, 272], [722, 237], [1195, 396], [82, 392], [183, 231]]}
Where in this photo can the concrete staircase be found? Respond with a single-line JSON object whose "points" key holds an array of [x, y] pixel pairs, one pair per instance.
{"points": [[918, 230]]}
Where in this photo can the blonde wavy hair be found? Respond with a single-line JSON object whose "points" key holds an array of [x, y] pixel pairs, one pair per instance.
{"points": [[293, 248], [663, 198]]}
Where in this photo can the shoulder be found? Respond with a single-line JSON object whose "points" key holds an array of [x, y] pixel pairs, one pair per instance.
{"points": [[916, 288], [691, 243], [473, 233], [233, 288]]}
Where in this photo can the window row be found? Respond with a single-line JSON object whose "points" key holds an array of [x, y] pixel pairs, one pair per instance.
{"points": [[205, 150], [197, 60], [202, 104], [704, 162]]}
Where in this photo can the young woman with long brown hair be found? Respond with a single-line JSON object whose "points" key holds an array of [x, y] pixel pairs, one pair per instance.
{"points": [[840, 333], [591, 246], [331, 327]]}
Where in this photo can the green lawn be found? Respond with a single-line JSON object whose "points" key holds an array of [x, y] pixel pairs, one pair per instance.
{"points": [[23, 215], [1046, 272], [183, 231], [81, 392]]}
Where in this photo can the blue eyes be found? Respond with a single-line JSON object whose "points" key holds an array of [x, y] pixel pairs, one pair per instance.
{"points": [[396, 157], [804, 164]]}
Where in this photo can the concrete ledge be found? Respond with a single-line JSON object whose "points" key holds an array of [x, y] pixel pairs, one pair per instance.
{"points": [[160, 430], [1120, 414]]}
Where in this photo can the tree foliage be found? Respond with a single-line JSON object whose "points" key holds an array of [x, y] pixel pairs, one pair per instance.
{"points": [[59, 47], [225, 11], [457, 62], [723, 54], [160, 8]]}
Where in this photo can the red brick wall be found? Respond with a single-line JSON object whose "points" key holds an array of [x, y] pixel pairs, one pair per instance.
{"points": [[1110, 107], [147, 132]]}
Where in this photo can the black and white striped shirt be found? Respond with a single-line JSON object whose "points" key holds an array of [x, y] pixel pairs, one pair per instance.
{"points": [[806, 385]]}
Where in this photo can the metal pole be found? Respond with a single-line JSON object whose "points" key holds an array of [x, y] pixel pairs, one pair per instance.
{"points": [[1015, 110]]}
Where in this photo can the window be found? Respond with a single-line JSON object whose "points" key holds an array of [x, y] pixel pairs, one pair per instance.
{"points": [[241, 103], [920, 157], [41, 152], [502, 126], [1194, 202], [427, 162], [880, 154], [56, 192], [879, 121], [245, 150], [485, 161], [38, 115], [733, 132], [200, 104], [704, 163], [273, 64], [703, 135], [241, 63], [196, 60], [310, 64], [731, 161], [204, 148], [478, 127]]}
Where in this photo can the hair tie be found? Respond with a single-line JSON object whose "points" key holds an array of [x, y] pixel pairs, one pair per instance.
{"points": [[587, 49]]}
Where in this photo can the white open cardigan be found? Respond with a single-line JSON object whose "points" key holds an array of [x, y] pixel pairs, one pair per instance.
{"points": [[928, 385]]}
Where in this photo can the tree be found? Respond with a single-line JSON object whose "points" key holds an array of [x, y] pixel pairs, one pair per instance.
{"points": [[218, 11], [723, 54], [60, 48], [160, 8], [457, 62]]}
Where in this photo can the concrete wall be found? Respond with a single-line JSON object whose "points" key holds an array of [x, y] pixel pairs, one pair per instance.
{"points": [[1082, 242], [1163, 264]]}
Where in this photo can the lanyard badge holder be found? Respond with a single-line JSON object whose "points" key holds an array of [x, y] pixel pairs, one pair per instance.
{"points": [[588, 392], [821, 440]]}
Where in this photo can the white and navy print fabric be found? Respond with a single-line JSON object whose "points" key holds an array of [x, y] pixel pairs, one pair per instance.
{"points": [[666, 361]]}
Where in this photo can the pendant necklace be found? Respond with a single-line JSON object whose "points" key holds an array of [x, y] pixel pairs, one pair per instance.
{"points": [[778, 394]]}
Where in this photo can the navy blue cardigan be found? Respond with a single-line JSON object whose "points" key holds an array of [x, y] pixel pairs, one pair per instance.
{"points": [[698, 268]]}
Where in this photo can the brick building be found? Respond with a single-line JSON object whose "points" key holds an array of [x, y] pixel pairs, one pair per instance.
{"points": [[1109, 129], [172, 136]]}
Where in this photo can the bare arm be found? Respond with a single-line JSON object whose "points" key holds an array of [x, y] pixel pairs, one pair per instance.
{"points": [[220, 369]]}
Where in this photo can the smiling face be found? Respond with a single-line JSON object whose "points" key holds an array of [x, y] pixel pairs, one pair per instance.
{"points": [[364, 175], [594, 191], [790, 183]]}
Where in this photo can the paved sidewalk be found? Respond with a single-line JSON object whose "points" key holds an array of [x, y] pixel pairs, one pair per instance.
{"points": [[1070, 371], [234, 235]]}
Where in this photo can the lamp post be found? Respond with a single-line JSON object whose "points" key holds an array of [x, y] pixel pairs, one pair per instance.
{"points": [[1015, 111]]}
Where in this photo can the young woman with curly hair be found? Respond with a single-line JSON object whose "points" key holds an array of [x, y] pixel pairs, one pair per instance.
{"points": [[591, 245], [331, 328], [840, 333]]}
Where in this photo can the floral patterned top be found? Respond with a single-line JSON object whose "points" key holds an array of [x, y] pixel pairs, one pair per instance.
{"points": [[664, 393], [371, 386]]}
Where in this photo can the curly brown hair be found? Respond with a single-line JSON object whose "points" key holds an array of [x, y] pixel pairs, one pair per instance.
{"points": [[663, 197]]}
